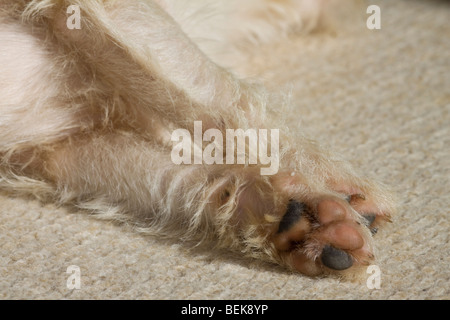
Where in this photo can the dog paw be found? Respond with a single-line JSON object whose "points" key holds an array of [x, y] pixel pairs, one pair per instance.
{"points": [[328, 233]]}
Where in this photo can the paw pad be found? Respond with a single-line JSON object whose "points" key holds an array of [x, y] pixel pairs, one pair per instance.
{"points": [[336, 259]]}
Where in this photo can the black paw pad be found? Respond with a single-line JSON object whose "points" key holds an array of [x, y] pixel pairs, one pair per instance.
{"points": [[369, 218], [294, 212], [336, 259]]}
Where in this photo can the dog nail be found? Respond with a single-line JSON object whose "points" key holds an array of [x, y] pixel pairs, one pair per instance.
{"points": [[374, 231], [357, 196], [336, 259], [293, 213]]}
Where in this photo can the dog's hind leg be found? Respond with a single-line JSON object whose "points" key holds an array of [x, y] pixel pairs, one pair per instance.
{"points": [[144, 59], [308, 216]]}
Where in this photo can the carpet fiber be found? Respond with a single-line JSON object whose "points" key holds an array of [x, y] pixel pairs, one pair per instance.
{"points": [[380, 97]]}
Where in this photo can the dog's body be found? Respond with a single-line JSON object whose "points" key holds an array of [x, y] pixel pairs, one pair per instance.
{"points": [[87, 115]]}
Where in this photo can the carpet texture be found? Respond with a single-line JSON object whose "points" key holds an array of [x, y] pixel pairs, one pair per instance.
{"points": [[380, 97]]}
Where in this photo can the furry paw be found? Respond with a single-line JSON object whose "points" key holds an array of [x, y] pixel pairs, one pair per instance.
{"points": [[328, 233]]}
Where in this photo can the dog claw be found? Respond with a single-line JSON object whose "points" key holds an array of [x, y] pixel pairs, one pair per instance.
{"points": [[357, 196], [336, 259]]}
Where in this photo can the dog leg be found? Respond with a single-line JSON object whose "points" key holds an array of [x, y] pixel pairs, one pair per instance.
{"points": [[309, 216], [149, 64]]}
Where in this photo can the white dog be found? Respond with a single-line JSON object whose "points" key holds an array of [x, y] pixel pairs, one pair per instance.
{"points": [[92, 92]]}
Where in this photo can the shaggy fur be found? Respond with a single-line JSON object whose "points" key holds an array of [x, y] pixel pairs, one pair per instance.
{"points": [[87, 116]]}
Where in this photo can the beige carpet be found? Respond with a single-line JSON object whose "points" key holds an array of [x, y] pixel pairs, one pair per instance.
{"points": [[380, 97]]}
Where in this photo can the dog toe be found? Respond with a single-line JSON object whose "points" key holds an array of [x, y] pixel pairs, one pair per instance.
{"points": [[335, 259], [293, 214], [293, 227]]}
